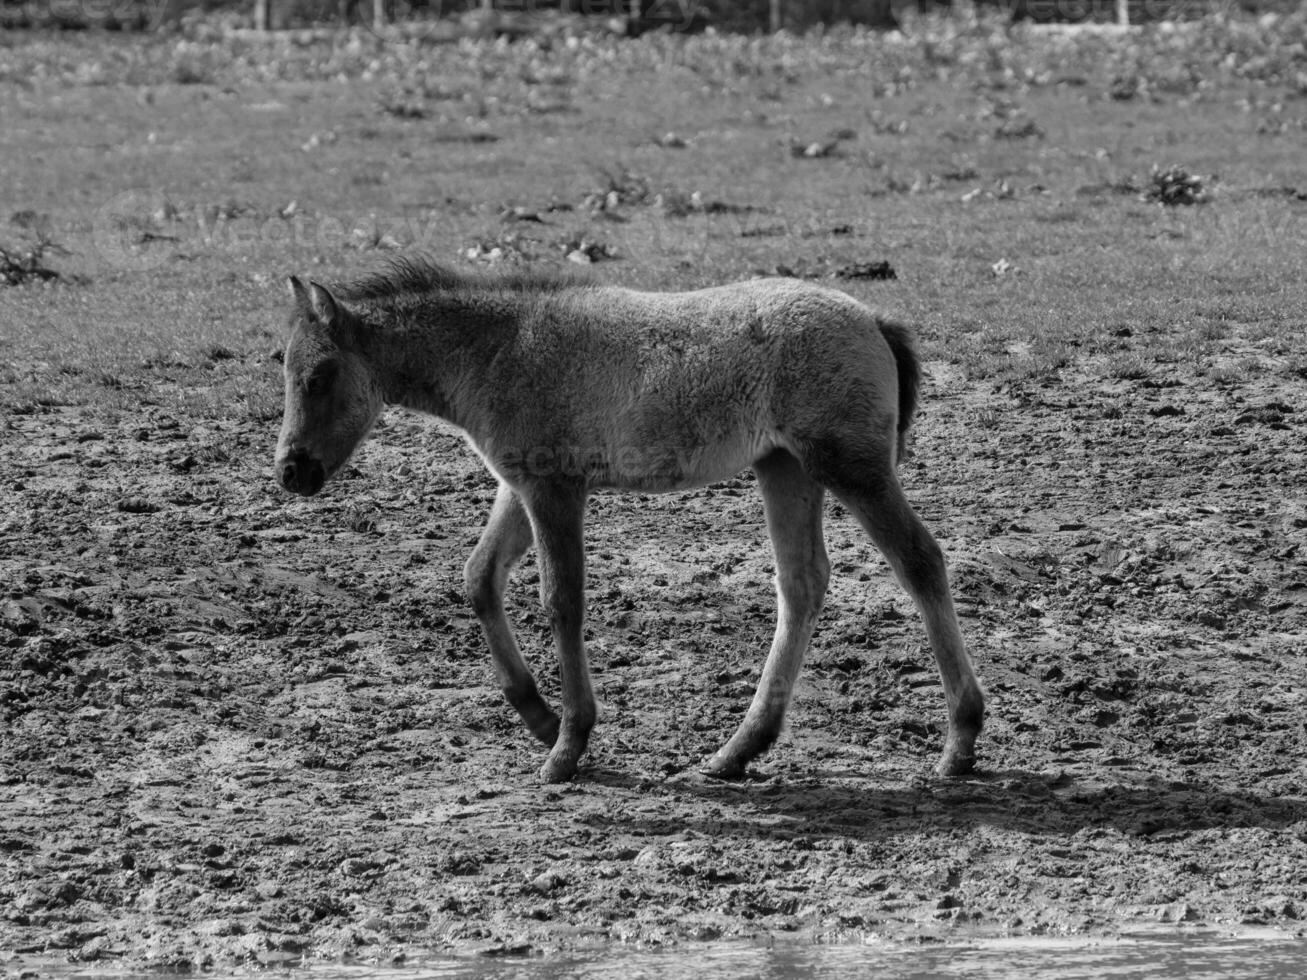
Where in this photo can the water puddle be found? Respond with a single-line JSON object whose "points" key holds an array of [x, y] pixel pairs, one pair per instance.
{"points": [[1191, 957]]}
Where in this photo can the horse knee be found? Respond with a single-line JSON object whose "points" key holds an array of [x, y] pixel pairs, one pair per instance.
{"points": [[923, 562], [805, 586], [480, 586], [562, 606], [820, 576]]}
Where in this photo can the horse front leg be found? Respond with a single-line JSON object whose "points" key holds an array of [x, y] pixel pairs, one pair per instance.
{"points": [[558, 516], [504, 541]]}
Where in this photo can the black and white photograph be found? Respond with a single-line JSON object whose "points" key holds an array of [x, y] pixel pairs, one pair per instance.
{"points": [[700, 489]]}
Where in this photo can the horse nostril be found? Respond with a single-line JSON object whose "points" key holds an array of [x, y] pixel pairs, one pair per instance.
{"points": [[301, 473], [315, 477]]}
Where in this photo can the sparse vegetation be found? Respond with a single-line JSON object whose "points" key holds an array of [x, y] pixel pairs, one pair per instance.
{"points": [[28, 263], [1175, 185]]}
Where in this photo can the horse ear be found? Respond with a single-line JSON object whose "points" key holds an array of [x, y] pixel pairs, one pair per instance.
{"points": [[322, 304], [314, 300], [297, 290]]}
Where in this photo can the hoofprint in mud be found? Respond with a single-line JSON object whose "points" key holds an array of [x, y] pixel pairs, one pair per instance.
{"points": [[564, 388]]}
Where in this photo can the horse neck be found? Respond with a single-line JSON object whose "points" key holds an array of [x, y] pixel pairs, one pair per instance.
{"points": [[431, 355]]}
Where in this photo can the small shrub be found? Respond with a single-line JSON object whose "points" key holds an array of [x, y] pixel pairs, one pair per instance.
{"points": [[1175, 185], [219, 352], [193, 70], [879, 269], [584, 250], [507, 248], [403, 103], [1019, 128], [27, 264], [623, 187], [1124, 88]]}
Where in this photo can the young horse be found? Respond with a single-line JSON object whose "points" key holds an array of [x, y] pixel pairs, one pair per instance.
{"points": [[563, 387]]}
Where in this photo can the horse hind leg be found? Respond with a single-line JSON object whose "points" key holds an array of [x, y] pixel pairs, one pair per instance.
{"points": [[792, 501], [878, 503], [503, 542]]}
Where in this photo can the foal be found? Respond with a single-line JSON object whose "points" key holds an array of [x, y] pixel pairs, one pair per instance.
{"points": [[563, 387]]}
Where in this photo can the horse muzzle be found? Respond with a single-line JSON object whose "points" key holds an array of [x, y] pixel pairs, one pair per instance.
{"points": [[301, 473]]}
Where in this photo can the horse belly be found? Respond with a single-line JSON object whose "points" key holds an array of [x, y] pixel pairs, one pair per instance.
{"points": [[657, 466]]}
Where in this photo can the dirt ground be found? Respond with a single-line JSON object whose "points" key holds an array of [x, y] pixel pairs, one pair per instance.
{"points": [[241, 727]]}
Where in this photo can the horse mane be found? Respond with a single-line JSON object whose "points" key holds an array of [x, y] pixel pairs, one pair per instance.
{"points": [[406, 275]]}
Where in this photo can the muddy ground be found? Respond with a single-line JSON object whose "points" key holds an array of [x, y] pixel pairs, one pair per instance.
{"points": [[241, 727]]}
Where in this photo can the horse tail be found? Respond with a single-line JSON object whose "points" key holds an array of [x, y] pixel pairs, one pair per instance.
{"points": [[904, 348]]}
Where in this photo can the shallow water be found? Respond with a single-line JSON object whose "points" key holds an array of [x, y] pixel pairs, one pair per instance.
{"points": [[1190, 957], [1037, 959]]}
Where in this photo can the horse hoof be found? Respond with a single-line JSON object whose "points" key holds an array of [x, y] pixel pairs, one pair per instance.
{"points": [[955, 764], [718, 767], [557, 771]]}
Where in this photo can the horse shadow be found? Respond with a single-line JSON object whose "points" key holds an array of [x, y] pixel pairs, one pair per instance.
{"points": [[826, 805]]}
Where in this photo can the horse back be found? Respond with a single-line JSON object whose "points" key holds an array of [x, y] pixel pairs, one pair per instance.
{"points": [[665, 390]]}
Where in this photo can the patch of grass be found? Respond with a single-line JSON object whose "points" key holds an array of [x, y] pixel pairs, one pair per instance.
{"points": [[1129, 366], [1047, 193], [1208, 331], [1236, 371], [359, 518]]}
